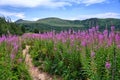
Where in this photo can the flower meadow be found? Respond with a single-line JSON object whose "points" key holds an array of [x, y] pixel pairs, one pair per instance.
{"points": [[12, 66], [81, 55], [72, 55]]}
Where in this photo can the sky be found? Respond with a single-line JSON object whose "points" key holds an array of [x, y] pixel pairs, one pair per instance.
{"points": [[64, 9]]}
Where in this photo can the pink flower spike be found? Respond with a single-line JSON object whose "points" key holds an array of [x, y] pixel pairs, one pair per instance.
{"points": [[97, 28], [83, 43], [112, 28], [107, 65]]}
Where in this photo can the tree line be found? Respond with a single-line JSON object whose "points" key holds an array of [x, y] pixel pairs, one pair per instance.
{"points": [[9, 27]]}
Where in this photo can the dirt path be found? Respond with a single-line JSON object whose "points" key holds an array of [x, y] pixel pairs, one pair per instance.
{"points": [[34, 71]]}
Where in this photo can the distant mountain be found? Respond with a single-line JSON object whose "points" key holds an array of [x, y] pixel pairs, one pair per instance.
{"points": [[58, 24], [52, 21], [22, 21]]}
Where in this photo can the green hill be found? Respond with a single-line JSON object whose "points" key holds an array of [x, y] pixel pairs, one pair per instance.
{"points": [[52, 23], [58, 22], [23, 21]]}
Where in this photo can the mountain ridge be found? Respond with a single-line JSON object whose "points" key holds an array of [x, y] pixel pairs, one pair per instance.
{"points": [[58, 24], [53, 18]]}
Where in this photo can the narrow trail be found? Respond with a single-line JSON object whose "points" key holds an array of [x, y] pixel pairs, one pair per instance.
{"points": [[34, 71]]}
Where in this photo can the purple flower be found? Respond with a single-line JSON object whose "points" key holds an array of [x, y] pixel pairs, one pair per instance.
{"points": [[112, 28], [107, 65], [90, 31], [109, 42], [92, 54], [101, 37], [105, 33], [97, 28], [117, 38], [118, 46], [93, 28], [83, 43]]}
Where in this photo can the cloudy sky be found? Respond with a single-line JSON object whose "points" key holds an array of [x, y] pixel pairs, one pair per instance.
{"points": [[65, 9]]}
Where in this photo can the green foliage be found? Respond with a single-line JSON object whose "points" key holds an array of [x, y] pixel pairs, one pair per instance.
{"points": [[74, 62], [7, 27], [63, 62], [36, 31], [12, 69]]}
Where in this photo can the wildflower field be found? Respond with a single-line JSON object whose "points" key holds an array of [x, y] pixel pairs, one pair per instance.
{"points": [[12, 66], [80, 55]]}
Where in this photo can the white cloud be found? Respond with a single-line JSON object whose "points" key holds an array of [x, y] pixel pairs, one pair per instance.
{"points": [[47, 3], [34, 3], [90, 2], [12, 14], [86, 2], [101, 15], [35, 18]]}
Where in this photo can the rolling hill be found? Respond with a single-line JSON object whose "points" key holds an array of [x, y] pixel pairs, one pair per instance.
{"points": [[53, 23]]}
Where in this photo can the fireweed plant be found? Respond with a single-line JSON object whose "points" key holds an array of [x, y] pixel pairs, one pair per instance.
{"points": [[12, 66], [81, 55]]}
